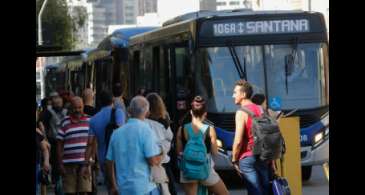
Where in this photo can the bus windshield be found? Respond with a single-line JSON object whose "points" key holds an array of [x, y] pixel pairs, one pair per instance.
{"points": [[299, 84]]}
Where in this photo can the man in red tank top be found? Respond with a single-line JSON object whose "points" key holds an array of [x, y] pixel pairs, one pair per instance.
{"points": [[254, 171]]}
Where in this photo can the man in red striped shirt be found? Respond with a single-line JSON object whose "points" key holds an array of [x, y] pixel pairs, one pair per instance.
{"points": [[71, 146]]}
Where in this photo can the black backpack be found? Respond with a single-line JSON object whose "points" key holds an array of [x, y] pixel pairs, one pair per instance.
{"points": [[110, 127], [268, 140]]}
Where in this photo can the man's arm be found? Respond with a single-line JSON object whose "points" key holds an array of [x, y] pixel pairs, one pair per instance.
{"points": [[60, 155], [120, 117], [152, 150], [111, 174], [90, 149], [45, 152], [240, 120], [155, 160]]}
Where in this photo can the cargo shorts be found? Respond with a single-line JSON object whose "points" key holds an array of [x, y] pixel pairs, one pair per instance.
{"points": [[73, 181]]}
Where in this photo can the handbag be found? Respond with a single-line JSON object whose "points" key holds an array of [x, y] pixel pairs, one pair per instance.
{"points": [[280, 186]]}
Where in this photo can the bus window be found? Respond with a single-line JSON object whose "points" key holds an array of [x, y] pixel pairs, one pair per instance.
{"points": [[147, 69], [183, 74], [156, 67], [216, 74], [302, 86], [136, 69]]}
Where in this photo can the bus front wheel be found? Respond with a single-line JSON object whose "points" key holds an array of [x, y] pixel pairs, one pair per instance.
{"points": [[306, 172]]}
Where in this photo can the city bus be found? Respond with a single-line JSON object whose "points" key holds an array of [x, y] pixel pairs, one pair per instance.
{"points": [[284, 54], [98, 68]]}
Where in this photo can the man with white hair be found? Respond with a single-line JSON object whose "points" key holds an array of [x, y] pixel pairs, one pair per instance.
{"points": [[133, 149]]}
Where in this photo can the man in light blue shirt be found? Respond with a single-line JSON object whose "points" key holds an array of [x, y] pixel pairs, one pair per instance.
{"points": [[133, 149], [98, 124]]}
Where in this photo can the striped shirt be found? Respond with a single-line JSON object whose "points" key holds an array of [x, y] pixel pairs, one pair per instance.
{"points": [[74, 136]]}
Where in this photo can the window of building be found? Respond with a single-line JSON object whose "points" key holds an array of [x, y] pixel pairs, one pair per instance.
{"points": [[234, 3], [129, 7], [129, 21], [129, 15], [221, 3]]}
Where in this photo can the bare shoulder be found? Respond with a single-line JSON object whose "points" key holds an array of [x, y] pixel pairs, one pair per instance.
{"points": [[240, 113]]}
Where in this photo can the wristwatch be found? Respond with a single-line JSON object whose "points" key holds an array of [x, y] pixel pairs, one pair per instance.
{"points": [[234, 162]]}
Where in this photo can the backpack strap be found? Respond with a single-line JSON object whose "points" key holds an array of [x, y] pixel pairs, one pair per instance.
{"points": [[204, 129], [191, 133], [112, 116], [54, 115], [249, 112]]}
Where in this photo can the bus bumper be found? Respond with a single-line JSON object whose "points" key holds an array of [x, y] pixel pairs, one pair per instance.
{"points": [[316, 156], [222, 161]]}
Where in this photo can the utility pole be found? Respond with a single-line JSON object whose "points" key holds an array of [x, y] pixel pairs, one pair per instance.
{"points": [[40, 41]]}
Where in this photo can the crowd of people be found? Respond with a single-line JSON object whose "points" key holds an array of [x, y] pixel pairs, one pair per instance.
{"points": [[73, 145]]}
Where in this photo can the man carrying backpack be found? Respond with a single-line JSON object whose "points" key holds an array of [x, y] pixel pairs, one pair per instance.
{"points": [[107, 119], [248, 156]]}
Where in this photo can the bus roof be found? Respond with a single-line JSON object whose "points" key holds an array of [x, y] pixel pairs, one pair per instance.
{"points": [[119, 38]]}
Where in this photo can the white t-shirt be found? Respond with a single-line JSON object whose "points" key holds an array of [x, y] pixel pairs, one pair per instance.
{"points": [[164, 137]]}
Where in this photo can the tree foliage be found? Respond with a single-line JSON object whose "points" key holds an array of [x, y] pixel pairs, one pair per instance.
{"points": [[57, 24]]}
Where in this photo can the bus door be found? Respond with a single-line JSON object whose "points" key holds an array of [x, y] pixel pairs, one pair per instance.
{"points": [[182, 77]]}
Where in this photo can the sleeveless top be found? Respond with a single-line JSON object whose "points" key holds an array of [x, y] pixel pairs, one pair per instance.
{"points": [[248, 140], [207, 140]]}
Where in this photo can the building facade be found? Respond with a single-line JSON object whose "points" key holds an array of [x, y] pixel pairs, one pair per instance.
{"points": [[208, 4], [130, 11], [80, 12], [147, 6]]}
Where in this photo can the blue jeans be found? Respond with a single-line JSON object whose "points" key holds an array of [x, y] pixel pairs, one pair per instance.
{"points": [[154, 192], [256, 175]]}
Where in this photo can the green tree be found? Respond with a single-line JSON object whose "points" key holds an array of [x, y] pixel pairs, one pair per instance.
{"points": [[57, 24]]}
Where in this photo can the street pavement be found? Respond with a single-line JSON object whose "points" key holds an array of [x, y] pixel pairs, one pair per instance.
{"points": [[317, 185]]}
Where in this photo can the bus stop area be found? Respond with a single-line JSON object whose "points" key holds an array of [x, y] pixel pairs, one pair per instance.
{"points": [[280, 55]]}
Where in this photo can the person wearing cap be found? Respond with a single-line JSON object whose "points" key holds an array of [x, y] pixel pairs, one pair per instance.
{"points": [[51, 120]]}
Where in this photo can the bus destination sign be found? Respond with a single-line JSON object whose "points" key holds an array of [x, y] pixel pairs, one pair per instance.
{"points": [[260, 27]]}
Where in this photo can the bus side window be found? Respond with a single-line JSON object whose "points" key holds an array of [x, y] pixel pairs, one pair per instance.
{"points": [[136, 71]]}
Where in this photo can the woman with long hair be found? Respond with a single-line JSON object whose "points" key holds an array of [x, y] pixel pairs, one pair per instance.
{"points": [[159, 121], [198, 114]]}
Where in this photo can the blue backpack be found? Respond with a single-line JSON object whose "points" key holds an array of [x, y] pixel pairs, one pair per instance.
{"points": [[195, 163]]}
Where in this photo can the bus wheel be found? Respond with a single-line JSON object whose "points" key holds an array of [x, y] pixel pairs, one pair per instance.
{"points": [[306, 172]]}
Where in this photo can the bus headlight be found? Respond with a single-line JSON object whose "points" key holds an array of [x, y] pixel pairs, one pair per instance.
{"points": [[318, 137], [327, 132], [219, 143]]}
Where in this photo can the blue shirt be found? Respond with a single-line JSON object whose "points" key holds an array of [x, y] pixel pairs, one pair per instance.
{"points": [[129, 148], [97, 128]]}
